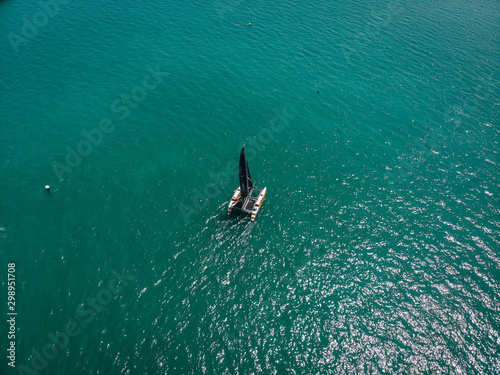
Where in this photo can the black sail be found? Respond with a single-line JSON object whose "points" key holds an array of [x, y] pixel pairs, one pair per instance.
{"points": [[245, 180]]}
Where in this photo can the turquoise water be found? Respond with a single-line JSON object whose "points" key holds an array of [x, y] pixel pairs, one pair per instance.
{"points": [[373, 125]]}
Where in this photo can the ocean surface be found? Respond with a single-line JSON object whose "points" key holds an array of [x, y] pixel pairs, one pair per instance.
{"points": [[374, 126]]}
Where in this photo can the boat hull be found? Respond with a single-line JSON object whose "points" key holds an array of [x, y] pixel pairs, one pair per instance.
{"points": [[234, 200], [258, 203]]}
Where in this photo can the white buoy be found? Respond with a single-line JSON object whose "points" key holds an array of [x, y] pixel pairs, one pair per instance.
{"points": [[249, 24], [47, 187]]}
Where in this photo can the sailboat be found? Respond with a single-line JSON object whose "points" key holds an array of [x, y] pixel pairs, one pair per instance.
{"points": [[246, 197]]}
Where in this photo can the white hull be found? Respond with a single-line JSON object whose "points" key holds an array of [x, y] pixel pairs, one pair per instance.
{"points": [[258, 203], [234, 200]]}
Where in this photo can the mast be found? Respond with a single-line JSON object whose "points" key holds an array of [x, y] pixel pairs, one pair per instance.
{"points": [[245, 180]]}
